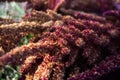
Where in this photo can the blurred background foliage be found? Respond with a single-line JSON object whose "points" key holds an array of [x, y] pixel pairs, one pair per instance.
{"points": [[12, 10]]}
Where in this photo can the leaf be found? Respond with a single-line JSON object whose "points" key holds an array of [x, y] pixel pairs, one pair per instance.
{"points": [[18, 11], [10, 73], [11, 10], [25, 39]]}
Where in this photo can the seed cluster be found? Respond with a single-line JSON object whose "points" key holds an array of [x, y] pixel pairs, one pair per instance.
{"points": [[82, 47]]}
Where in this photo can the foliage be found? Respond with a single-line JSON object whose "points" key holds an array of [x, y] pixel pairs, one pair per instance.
{"points": [[11, 10], [9, 73], [25, 39]]}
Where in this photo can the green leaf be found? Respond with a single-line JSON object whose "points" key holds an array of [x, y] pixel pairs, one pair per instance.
{"points": [[12, 10], [10, 73], [30, 36], [18, 11], [25, 39]]}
